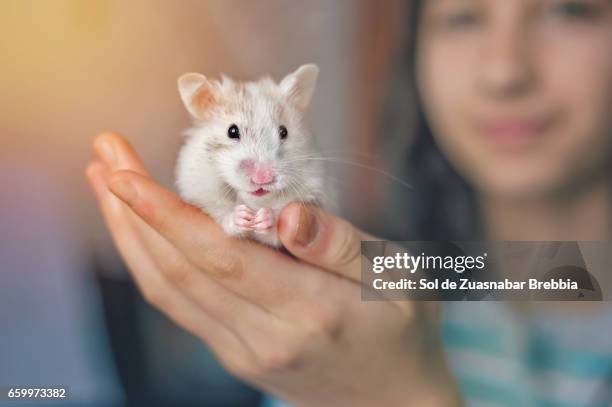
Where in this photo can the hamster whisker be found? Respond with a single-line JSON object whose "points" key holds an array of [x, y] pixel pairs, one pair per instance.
{"points": [[301, 192], [342, 160], [354, 153], [303, 203]]}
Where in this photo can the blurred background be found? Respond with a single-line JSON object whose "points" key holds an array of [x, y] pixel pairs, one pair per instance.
{"points": [[69, 69]]}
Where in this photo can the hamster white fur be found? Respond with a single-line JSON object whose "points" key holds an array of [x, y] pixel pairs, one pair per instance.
{"points": [[248, 153]]}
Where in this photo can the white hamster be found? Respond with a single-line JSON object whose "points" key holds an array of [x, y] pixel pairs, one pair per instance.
{"points": [[248, 153]]}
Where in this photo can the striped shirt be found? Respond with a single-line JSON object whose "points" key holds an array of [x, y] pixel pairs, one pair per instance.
{"points": [[504, 357]]}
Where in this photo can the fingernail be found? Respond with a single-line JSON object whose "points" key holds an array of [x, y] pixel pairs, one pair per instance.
{"points": [[124, 190], [307, 227], [107, 152]]}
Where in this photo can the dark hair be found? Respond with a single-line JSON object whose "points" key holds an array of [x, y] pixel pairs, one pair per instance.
{"points": [[442, 205]]}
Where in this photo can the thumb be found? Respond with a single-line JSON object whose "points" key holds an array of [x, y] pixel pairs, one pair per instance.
{"points": [[321, 239]]}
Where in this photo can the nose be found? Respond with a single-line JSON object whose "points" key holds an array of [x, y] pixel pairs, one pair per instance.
{"points": [[506, 67], [263, 175], [258, 173]]}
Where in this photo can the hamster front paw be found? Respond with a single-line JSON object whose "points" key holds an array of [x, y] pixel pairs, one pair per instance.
{"points": [[264, 226], [243, 220], [238, 222], [243, 217], [264, 221]]}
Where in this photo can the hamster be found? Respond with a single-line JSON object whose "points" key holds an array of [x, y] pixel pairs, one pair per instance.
{"points": [[249, 153]]}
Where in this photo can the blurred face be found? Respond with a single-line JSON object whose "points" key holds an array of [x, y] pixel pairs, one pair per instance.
{"points": [[519, 92]]}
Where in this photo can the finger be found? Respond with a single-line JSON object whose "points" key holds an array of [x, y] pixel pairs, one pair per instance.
{"points": [[328, 242], [322, 239], [184, 225], [117, 153], [150, 280]]}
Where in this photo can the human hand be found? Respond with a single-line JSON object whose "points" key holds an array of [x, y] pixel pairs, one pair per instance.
{"points": [[293, 326]]}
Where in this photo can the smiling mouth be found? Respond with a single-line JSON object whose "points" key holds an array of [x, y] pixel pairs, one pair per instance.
{"points": [[259, 192], [516, 133]]}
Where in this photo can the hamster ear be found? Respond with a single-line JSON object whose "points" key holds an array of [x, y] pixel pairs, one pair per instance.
{"points": [[300, 85], [198, 94]]}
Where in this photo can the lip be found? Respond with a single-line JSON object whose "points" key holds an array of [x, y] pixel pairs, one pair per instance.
{"points": [[259, 192], [515, 132]]}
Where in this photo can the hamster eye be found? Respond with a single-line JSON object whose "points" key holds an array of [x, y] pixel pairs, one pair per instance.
{"points": [[233, 131], [282, 130]]}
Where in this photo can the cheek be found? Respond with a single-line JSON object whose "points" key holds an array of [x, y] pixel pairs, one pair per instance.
{"points": [[227, 162], [444, 75], [584, 76], [446, 86], [577, 76]]}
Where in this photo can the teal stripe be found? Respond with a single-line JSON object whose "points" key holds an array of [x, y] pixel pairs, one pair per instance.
{"points": [[571, 362], [550, 403], [270, 401], [483, 339], [483, 389], [540, 354], [486, 390]]}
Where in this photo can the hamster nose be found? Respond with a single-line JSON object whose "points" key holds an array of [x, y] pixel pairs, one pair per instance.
{"points": [[262, 175], [258, 173]]}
